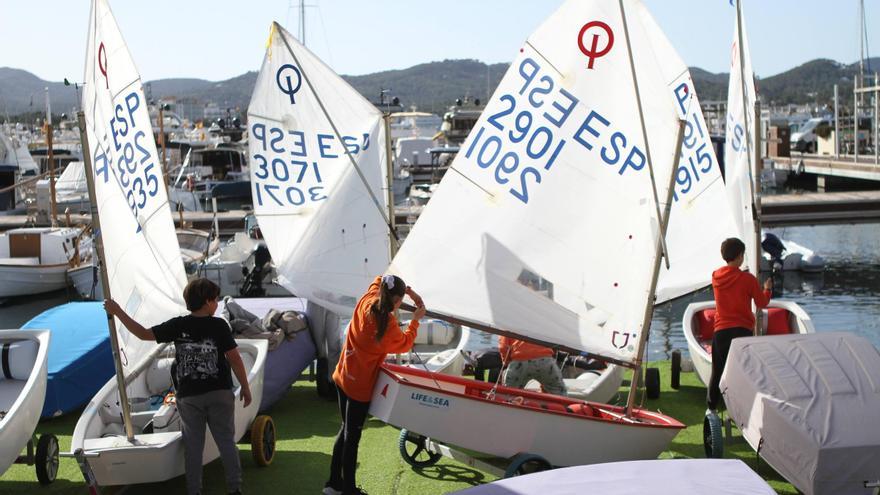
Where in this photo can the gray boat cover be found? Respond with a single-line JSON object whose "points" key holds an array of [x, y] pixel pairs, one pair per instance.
{"points": [[810, 405], [657, 477]]}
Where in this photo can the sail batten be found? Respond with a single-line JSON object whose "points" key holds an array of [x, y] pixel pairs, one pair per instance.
{"points": [[317, 162]]}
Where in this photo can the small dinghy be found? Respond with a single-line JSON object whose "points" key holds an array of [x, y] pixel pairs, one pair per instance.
{"points": [[438, 347], [130, 431], [810, 406], [22, 389], [657, 477], [504, 422], [779, 318], [80, 361], [156, 454]]}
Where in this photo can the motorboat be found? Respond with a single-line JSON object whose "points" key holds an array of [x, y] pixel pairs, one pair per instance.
{"points": [[22, 389], [34, 260], [779, 318]]}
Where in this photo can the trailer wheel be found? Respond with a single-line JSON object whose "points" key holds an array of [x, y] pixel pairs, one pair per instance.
{"points": [[713, 442], [414, 450], [652, 383], [526, 463], [263, 440], [47, 459]]}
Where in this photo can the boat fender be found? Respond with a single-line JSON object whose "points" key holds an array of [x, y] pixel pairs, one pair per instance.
{"points": [[18, 359]]}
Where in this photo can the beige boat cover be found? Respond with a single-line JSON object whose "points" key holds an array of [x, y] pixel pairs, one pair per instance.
{"points": [[810, 404]]}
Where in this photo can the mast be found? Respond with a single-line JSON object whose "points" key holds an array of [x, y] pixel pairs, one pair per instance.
{"points": [[663, 220], [105, 281], [53, 209], [395, 241], [389, 183], [754, 179]]}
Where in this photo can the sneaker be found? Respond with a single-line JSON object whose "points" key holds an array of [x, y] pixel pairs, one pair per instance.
{"points": [[330, 490]]}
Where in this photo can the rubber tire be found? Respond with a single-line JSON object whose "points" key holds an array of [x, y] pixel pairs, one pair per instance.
{"points": [[419, 442], [47, 459], [652, 383], [713, 438], [263, 440], [515, 468], [675, 375]]}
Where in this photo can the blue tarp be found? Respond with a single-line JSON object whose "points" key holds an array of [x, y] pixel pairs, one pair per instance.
{"points": [[80, 361]]}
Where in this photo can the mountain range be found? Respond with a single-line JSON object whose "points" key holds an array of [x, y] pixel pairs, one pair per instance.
{"points": [[432, 86]]}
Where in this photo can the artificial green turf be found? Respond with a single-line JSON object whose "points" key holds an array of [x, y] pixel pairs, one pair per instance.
{"points": [[307, 425]]}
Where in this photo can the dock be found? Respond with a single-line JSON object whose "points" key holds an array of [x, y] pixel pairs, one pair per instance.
{"points": [[866, 168], [228, 222], [820, 208]]}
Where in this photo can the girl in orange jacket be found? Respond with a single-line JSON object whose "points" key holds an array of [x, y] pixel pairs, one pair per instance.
{"points": [[372, 334]]}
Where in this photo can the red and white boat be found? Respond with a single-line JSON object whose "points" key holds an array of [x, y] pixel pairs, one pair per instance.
{"points": [[508, 421], [780, 318], [545, 237]]}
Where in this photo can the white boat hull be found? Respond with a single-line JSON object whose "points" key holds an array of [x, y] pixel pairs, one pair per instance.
{"points": [[596, 386], [456, 411], [22, 400], [24, 280], [431, 356], [156, 456], [798, 319]]}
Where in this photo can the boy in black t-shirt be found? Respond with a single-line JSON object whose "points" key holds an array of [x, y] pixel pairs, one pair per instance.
{"points": [[204, 350]]}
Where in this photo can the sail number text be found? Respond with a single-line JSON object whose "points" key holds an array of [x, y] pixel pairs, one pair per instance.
{"points": [[128, 157]]}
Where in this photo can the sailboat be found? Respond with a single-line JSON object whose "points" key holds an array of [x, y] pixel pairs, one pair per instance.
{"points": [[743, 194], [130, 431], [319, 180], [550, 229]]}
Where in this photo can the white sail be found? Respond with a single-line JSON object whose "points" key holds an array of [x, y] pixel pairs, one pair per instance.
{"points": [[701, 217], [142, 256], [326, 233], [546, 224], [740, 142]]}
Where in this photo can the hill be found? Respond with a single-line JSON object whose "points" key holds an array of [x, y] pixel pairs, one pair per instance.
{"points": [[431, 86]]}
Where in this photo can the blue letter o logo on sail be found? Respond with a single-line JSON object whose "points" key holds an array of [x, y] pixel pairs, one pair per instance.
{"points": [[285, 82]]}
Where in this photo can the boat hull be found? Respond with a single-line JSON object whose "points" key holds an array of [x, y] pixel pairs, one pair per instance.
{"points": [[156, 456], [25, 280], [799, 323], [457, 411], [22, 399]]}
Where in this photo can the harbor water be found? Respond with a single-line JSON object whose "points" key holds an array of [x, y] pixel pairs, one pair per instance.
{"points": [[846, 296]]}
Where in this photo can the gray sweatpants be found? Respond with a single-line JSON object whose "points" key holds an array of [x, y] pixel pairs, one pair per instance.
{"points": [[544, 370], [215, 409]]}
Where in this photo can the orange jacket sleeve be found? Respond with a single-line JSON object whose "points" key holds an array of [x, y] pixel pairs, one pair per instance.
{"points": [[395, 340], [761, 297]]}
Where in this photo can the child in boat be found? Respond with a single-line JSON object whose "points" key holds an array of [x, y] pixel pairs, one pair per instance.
{"points": [[734, 292], [526, 361], [372, 334], [204, 352]]}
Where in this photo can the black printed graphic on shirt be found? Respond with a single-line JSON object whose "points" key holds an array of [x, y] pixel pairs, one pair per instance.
{"points": [[197, 360]]}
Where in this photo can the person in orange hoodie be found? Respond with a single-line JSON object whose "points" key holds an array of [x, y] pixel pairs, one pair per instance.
{"points": [[372, 334], [734, 292], [526, 361]]}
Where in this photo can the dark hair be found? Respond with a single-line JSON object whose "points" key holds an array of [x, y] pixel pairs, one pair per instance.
{"points": [[198, 292], [382, 308], [731, 248]]}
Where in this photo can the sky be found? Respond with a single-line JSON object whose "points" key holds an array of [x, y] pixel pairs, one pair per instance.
{"points": [[220, 39]]}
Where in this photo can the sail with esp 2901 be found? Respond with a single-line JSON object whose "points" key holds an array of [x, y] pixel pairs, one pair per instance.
{"points": [[546, 225]]}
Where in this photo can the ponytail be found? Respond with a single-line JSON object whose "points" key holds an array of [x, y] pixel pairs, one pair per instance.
{"points": [[391, 286]]}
